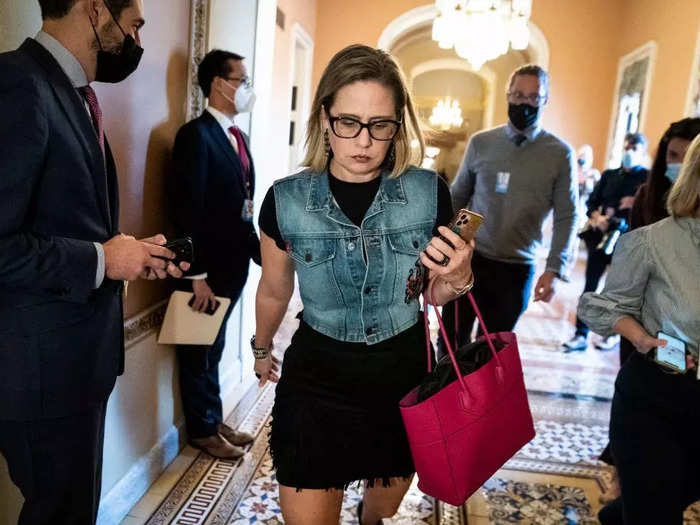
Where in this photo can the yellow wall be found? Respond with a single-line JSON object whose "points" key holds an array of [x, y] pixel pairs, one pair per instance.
{"points": [[582, 37], [673, 24], [586, 41]]}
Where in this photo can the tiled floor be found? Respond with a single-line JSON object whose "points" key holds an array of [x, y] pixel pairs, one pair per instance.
{"points": [[556, 478]]}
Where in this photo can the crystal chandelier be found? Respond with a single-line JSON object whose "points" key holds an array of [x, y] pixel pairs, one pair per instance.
{"points": [[481, 30], [446, 114]]}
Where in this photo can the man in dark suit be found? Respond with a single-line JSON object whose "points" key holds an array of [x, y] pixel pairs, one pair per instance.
{"points": [[214, 196], [62, 259]]}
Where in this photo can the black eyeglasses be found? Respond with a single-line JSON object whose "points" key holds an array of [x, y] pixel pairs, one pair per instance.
{"points": [[349, 128]]}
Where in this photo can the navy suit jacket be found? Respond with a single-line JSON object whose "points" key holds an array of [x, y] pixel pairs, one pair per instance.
{"points": [[61, 342], [209, 195]]}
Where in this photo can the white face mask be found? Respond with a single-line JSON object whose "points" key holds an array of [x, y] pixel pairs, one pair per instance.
{"points": [[244, 99]]}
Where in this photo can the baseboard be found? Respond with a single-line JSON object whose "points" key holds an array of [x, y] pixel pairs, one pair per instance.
{"points": [[117, 503]]}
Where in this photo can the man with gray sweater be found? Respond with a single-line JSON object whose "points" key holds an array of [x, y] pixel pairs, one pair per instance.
{"points": [[515, 175]]}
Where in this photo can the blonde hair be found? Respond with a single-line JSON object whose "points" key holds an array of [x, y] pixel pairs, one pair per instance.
{"points": [[684, 198], [362, 63]]}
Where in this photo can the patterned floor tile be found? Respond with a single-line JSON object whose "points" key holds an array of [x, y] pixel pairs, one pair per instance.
{"points": [[260, 504], [555, 479], [536, 503]]}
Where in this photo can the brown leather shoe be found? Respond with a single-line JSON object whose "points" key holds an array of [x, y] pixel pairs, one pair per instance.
{"points": [[218, 447], [233, 436]]}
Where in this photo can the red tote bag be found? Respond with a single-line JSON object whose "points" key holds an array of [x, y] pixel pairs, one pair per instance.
{"points": [[460, 436]]}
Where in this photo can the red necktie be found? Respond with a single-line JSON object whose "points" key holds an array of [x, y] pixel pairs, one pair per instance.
{"points": [[95, 112], [242, 152]]}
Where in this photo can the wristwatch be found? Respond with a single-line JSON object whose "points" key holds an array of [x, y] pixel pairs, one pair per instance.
{"points": [[260, 352]]}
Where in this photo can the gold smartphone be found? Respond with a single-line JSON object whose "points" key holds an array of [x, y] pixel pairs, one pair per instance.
{"points": [[465, 223]]}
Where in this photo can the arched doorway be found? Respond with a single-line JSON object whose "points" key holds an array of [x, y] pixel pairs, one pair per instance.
{"points": [[435, 74]]}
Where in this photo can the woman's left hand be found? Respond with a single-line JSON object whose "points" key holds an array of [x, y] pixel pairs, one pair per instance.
{"points": [[459, 269]]}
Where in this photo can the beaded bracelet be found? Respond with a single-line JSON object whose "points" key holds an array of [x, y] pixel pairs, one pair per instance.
{"points": [[259, 352]]}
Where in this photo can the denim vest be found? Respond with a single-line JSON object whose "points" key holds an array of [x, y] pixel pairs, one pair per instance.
{"points": [[352, 279]]}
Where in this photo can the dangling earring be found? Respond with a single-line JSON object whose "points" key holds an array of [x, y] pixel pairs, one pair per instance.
{"points": [[392, 155], [326, 143]]}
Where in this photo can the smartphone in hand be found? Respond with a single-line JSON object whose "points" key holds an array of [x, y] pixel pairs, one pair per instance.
{"points": [[183, 249], [465, 223], [211, 310], [672, 355]]}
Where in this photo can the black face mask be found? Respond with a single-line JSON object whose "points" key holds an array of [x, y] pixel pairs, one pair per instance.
{"points": [[115, 67], [522, 116]]}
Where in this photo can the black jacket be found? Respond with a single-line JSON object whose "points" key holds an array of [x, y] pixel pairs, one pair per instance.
{"points": [[613, 186], [209, 195], [61, 342]]}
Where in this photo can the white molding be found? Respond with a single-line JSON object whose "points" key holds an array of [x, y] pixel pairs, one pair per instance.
{"points": [[131, 488], [457, 64], [650, 50], [300, 36], [405, 23], [199, 37], [424, 15], [694, 86]]}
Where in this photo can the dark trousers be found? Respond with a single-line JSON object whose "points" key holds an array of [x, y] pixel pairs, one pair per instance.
{"points": [[654, 432], [626, 351], [199, 382], [596, 264], [57, 465], [502, 293]]}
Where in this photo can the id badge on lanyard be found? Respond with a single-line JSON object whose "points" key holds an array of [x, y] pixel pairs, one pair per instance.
{"points": [[248, 210], [502, 181], [248, 207]]}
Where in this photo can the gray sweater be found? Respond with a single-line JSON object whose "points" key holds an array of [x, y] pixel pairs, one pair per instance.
{"points": [[515, 187], [654, 279]]}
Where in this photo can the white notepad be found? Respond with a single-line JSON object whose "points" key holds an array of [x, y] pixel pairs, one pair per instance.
{"points": [[184, 326]]}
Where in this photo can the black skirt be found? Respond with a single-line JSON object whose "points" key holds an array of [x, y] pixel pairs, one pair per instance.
{"points": [[336, 416]]}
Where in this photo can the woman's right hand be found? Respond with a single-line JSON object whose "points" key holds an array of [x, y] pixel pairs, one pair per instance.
{"points": [[630, 328], [646, 342], [267, 369]]}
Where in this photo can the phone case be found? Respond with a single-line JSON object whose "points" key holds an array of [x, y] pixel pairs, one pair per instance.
{"points": [[183, 250], [465, 223]]}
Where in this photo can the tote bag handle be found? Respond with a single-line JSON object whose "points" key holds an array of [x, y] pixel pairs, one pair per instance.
{"points": [[428, 296]]}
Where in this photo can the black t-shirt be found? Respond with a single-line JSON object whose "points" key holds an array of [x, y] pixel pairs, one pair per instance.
{"points": [[354, 199]]}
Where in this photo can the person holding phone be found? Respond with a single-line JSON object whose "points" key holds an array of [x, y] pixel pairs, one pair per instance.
{"points": [[214, 183], [352, 225], [652, 298]]}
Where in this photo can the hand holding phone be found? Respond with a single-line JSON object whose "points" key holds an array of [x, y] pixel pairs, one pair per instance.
{"points": [[465, 223], [672, 355], [183, 249], [211, 308]]}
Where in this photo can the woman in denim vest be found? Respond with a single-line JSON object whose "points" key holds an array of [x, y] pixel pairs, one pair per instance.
{"points": [[352, 226]]}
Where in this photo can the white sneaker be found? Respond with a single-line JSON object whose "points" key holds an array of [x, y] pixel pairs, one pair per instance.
{"points": [[577, 343], [608, 343]]}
